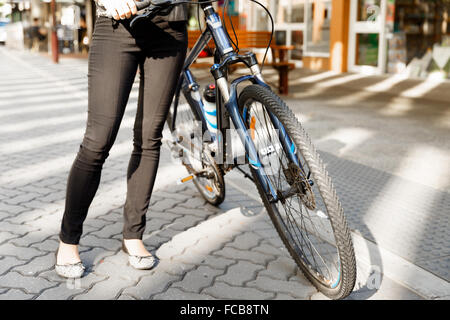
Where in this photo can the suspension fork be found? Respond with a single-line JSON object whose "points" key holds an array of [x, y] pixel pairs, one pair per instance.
{"points": [[231, 105]]}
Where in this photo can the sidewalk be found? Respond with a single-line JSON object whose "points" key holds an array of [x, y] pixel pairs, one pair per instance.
{"points": [[207, 252]]}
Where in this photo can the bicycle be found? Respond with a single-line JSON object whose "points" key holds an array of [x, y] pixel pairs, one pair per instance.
{"points": [[289, 175]]}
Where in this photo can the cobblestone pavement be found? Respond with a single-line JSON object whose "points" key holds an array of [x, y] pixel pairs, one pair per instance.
{"points": [[206, 252]]}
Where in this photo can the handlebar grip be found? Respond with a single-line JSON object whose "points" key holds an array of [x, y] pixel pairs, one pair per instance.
{"points": [[142, 4]]}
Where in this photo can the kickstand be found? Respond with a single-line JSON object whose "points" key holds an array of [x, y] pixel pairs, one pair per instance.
{"points": [[246, 175]]}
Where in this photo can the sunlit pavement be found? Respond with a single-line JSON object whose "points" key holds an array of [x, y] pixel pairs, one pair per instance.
{"points": [[388, 155]]}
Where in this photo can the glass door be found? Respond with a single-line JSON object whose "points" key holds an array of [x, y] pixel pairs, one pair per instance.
{"points": [[289, 16], [367, 36]]}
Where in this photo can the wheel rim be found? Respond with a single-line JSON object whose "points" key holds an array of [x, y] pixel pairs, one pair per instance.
{"points": [[185, 125], [309, 232]]}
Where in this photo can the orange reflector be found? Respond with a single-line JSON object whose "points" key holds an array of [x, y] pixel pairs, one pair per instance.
{"points": [[252, 127], [208, 188], [187, 178]]}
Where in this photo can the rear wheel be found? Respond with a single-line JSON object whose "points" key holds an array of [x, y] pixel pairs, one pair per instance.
{"points": [[308, 215], [208, 177]]}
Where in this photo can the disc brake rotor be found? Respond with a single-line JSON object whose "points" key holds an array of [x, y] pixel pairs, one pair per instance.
{"points": [[296, 178]]}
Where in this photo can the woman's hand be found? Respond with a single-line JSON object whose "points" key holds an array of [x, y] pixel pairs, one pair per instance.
{"points": [[120, 9]]}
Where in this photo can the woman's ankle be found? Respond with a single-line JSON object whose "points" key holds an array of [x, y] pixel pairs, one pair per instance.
{"points": [[67, 253], [136, 247]]}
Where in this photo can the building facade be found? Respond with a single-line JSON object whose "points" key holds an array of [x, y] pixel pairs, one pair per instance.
{"points": [[369, 36]]}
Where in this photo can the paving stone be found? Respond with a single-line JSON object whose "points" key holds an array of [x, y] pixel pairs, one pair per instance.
{"points": [[296, 289], [319, 296], [217, 262], [125, 297], [270, 250], [31, 238], [198, 279], [108, 244], [49, 222], [154, 241], [54, 196], [85, 282], [172, 195], [389, 290], [166, 232], [195, 203], [16, 294], [221, 290], [5, 236], [165, 204], [178, 294], [22, 253], [282, 296], [169, 250], [107, 231], [111, 216], [150, 285], [94, 256], [117, 266], [246, 241], [9, 192], [198, 212], [7, 263], [37, 204], [175, 267], [252, 256], [47, 245], [155, 224], [185, 222], [26, 197], [166, 215], [282, 268], [240, 273], [99, 222], [270, 236], [3, 214], [12, 209], [37, 265], [106, 290], [26, 216], [20, 229], [29, 284], [63, 291]]}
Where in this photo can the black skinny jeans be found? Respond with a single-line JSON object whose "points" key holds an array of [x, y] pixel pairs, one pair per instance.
{"points": [[158, 49]]}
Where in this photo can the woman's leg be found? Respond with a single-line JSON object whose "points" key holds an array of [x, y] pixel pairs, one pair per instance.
{"points": [[159, 75], [113, 62]]}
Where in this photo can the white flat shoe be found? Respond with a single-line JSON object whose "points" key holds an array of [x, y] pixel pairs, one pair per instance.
{"points": [[140, 262], [69, 270]]}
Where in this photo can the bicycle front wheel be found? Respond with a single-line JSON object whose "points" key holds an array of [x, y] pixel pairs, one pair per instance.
{"points": [[308, 215]]}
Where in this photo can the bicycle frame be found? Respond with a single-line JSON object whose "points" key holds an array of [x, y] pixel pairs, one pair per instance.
{"points": [[225, 56]]}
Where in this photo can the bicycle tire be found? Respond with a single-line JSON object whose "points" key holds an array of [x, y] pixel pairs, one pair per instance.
{"points": [[347, 276], [219, 181]]}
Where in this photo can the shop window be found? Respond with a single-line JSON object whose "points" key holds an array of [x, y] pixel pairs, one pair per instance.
{"points": [[367, 49], [318, 27], [280, 37], [368, 10], [297, 42], [298, 11]]}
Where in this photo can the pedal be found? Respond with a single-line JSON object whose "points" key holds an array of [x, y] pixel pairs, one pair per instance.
{"points": [[186, 179]]}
